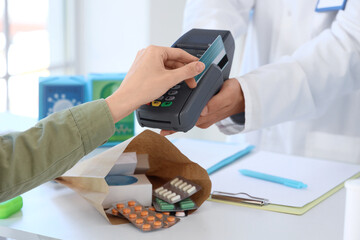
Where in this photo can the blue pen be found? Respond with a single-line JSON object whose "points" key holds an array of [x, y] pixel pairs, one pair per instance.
{"points": [[230, 159], [271, 178]]}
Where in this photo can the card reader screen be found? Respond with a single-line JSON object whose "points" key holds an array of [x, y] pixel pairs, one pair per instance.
{"points": [[213, 54]]}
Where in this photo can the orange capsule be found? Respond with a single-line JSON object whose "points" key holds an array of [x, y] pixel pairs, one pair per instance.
{"points": [[114, 211], [139, 221], [131, 203], [132, 216], [157, 224], [146, 226], [138, 208], [159, 215], [171, 219], [150, 218], [151, 208], [166, 213], [120, 206], [126, 210], [144, 213]]}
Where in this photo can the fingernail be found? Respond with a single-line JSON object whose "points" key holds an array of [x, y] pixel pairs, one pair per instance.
{"points": [[200, 66], [204, 111]]}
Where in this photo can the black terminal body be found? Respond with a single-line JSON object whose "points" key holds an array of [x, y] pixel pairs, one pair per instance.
{"points": [[180, 108]]}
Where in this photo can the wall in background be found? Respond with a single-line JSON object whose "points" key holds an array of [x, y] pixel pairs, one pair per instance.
{"points": [[165, 21], [111, 32]]}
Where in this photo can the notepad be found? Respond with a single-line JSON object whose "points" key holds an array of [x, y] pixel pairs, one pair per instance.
{"points": [[323, 177], [320, 176]]}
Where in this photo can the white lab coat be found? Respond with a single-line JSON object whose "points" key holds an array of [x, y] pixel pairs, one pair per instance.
{"points": [[301, 73]]}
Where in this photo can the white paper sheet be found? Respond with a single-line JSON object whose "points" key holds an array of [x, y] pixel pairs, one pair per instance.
{"points": [[320, 175]]}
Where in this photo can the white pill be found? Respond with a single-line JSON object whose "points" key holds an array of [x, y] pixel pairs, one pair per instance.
{"points": [[159, 189], [167, 193], [174, 181], [182, 185], [171, 195], [180, 214], [191, 190], [187, 187], [163, 191], [177, 197], [178, 183]]}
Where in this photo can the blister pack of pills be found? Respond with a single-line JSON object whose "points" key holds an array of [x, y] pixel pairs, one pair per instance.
{"points": [[114, 212], [184, 205], [144, 218], [176, 190]]}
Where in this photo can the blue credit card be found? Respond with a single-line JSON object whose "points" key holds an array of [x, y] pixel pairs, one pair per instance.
{"points": [[213, 54]]}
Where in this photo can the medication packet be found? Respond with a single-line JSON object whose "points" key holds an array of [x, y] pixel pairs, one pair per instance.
{"points": [[184, 205], [176, 190], [114, 212], [143, 218]]}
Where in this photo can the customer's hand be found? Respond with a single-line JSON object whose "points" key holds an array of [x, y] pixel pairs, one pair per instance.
{"points": [[154, 71], [227, 102]]}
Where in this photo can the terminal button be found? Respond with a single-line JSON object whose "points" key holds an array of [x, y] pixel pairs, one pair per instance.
{"points": [[166, 104], [160, 98], [169, 98], [156, 103], [173, 92]]}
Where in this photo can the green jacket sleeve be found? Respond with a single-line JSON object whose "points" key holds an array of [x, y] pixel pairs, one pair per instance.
{"points": [[51, 147]]}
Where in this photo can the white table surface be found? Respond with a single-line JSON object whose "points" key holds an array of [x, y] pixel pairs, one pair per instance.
{"points": [[56, 211]]}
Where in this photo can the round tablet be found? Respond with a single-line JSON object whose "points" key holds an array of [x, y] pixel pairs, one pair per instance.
{"points": [[126, 210], [114, 211], [171, 219], [159, 215], [139, 221], [146, 226], [138, 208], [120, 205], [144, 213], [150, 218], [132, 216], [166, 213], [151, 208], [157, 224], [131, 203]]}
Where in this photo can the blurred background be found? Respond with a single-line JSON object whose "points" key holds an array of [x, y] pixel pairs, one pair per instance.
{"points": [[64, 37]]}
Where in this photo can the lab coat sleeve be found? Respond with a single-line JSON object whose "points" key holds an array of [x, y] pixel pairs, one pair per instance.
{"points": [[230, 15], [304, 85], [54, 145]]}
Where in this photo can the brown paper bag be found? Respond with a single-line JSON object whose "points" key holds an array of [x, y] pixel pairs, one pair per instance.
{"points": [[165, 160]]}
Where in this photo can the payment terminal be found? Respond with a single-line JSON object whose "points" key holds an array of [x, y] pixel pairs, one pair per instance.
{"points": [[180, 107]]}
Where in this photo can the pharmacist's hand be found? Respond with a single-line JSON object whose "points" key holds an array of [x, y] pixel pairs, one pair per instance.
{"points": [[227, 102], [154, 71]]}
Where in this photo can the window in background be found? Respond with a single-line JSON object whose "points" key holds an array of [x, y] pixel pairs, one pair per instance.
{"points": [[3, 86], [33, 43], [3, 95]]}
